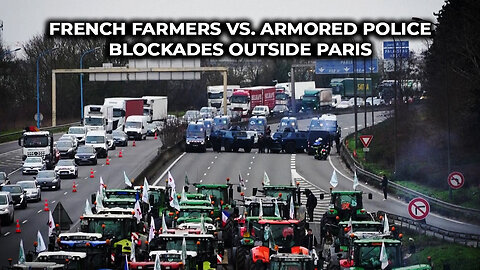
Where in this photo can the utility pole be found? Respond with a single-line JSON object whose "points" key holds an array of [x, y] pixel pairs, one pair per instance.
{"points": [[371, 78], [365, 90], [395, 107], [355, 101]]}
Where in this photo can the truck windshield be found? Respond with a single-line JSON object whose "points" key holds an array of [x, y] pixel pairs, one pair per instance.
{"points": [[120, 228], [95, 139], [239, 99], [35, 141], [369, 256], [215, 95], [281, 96], [257, 125], [90, 121], [133, 125], [287, 123], [118, 112]]}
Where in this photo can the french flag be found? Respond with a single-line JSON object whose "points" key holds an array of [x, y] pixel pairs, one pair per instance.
{"points": [[225, 216]]}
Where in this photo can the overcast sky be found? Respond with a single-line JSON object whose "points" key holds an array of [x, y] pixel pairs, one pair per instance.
{"points": [[22, 19]]}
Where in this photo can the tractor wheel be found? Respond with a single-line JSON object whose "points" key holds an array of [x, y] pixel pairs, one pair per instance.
{"points": [[259, 265], [241, 258], [228, 233]]}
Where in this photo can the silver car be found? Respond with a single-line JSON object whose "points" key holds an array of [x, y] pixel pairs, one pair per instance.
{"points": [[6, 208], [32, 165], [33, 190]]}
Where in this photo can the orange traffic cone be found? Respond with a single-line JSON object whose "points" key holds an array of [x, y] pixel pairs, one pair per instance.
{"points": [[120, 154], [133, 144], [91, 174], [108, 161], [18, 227], [155, 135], [46, 206], [74, 187]]}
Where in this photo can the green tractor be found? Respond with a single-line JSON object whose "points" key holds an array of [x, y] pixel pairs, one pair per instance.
{"points": [[365, 254], [94, 245], [291, 261]]}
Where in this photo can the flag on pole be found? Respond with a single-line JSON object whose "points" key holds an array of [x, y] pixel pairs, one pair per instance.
{"points": [[164, 224], [225, 216], [355, 180], [88, 208], [21, 253], [102, 184], [386, 226], [157, 263], [126, 179], [173, 199], [260, 212], [292, 208], [132, 252], [266, 180], [138, 211], [184, 251], [171, 181], [151, 233], [203, 230], [125, 267], [241, 181], [184, 196], [145, 190], [277, 210], [99, 200], [350, 226], [40, 243], [186, 179], [383, 256], [51, 224], [334, 180]]}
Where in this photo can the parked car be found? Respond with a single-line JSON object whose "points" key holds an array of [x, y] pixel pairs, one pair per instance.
{"points": [[66, 148], [32, 165], [86, 154], [33, 190], [4, 179], [344, 104], [66, 168], [111, 142], [7, 213], [19, 196], [360, 102], [48, 179], [261, 111], [120, 138], [79, 132], [280, 110]]}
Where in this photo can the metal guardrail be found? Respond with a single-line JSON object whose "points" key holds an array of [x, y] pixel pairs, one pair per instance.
{"points": [[436, 205], [471, 240], [43, 129]]}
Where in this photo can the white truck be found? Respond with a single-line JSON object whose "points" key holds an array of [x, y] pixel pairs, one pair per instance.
{"points": [[39, 144], [98, 117], [155, 107], [215, 95], [123, 107], [300, 88], [136, 127]]}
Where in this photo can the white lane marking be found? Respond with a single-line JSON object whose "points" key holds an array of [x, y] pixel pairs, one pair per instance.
{"points": [[14, 171], [352, 127], [6, 153], [25, 221], [212, 162], [103, 165], [216, 157], [246, 180], [201, 180], [208, 168], [6, 234], [169, 167], [249, 168], [53, 202], [251, 162], [39, 211], [253, 157], [204, 174], [248, 173], [65, 193]]}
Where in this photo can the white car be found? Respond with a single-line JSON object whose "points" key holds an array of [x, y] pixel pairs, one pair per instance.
{"points": [[79, 132], [261, 111], [376, 101], [344, 104], [33, 165], [360, 102], [33, 190], [208, 112], [71, 137], [66, 167], [6, 208]]}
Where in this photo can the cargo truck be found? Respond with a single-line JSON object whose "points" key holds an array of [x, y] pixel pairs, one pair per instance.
{"points": [[344, 87], [39, 144], [300, 88], [155, 107], [245, 99], [215, 94], [98, 117], [123, 107], [316, 99]]}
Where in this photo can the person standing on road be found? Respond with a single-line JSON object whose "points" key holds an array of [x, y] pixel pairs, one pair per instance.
{"points": [[309, 241], [311, 203], [384, 186]]}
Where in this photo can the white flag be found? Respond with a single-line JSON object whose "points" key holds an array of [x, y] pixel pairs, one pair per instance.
{"points": [[145, 190], [40, 243], [260, 212], [99, 200], [241, 181], [386, 226], [21, 253], [151, 233], [138, 211], [184, 196], [350, 226], [102, 184], [277, 210], [164, 224], [171, 181], [132, 252], [383, 256], [157, 263], [51, 224], [333, 180], [173, 199], [88, 208], [266, 180], [184, 251], [203, 230], [126, 180], [292, 208], [355, 180]]}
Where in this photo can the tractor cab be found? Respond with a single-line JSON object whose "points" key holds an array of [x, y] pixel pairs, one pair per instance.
{"points": [[291, 261], [346, 204], [271, 207], [122, 193], [193, 213], [74, 260], [283, 193], [125, 203], [94, 245]]}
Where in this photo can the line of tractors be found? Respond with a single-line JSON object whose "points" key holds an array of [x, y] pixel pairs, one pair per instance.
{"points": [[210, 228]]}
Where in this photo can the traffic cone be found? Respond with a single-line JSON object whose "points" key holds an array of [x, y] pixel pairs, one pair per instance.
{"points": [[46, 209], [18, 227], [155, 135], [74, 187], [120, 154], [91, 174], [133, 144], [108, 161]]}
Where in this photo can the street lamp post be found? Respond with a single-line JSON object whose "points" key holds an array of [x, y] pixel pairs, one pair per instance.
{"points": [[38, 82], [81, 79]]}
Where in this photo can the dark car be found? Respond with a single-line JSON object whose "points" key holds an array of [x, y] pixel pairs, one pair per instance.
{"points": [[151, 129], [120, 138], [4, 178], [48, 179], [86, 154], [66, 148], [18, 195], [280, 110]]}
